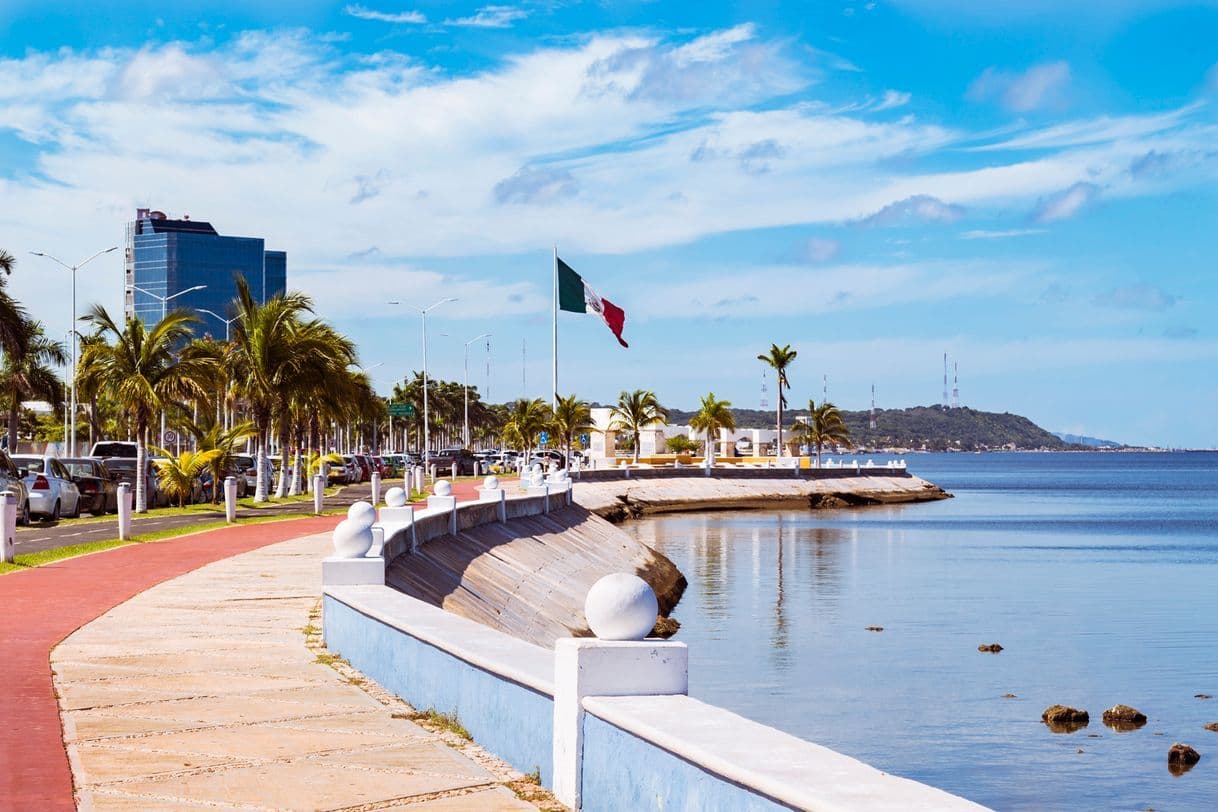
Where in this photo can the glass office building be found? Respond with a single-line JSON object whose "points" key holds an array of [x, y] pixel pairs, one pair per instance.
{"points": [[165, 257]]}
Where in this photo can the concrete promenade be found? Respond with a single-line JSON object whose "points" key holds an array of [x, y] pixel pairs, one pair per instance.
{"points": [[201, 693], [41, 606]]}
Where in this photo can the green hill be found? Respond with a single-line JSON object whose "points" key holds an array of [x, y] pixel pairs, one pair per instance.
{"points": [[930, 427]]}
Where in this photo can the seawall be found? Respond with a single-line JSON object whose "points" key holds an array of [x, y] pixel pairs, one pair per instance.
{"points": [[617, 497]]}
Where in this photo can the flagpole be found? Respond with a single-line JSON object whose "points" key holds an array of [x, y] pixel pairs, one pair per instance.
{"points": [[554, 390]]}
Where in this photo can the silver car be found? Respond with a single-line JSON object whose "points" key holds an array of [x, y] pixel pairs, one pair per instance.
{"points": [[52, 491], [10, 480]]}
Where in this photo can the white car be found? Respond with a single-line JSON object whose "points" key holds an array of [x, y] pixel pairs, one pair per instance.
{"points": [[52, 491]]}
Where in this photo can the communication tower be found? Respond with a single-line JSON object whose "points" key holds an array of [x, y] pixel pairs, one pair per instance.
{"points": [[955, 385], [765, 398], [871, 422], [946, 403]]}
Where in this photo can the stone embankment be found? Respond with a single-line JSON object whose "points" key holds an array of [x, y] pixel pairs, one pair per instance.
{"points": [[623, 498]]}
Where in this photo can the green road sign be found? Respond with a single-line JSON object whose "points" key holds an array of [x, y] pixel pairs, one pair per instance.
{"points": [[401, 410]]}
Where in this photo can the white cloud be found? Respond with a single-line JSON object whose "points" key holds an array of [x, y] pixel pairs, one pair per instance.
{"points": [[1065, 204], [912, 210], [363, 13], [819, 249], [892, 98], [1038, 87], [984, 234], [491, 17], [1137, 297]]}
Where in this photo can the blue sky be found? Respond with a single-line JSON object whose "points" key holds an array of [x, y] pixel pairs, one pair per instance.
{"points": [[1029, 188]]}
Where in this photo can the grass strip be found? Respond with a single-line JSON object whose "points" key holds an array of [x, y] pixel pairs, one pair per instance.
{"points": [[25, 561]]}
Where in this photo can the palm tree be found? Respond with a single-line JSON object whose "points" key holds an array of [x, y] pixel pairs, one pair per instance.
{"points": [[573, 416], [212, 436], [526, 420], [28, 375], [13, 337], [780, 358], [265, 361], [142, 370], [635, 411], [825, 425], [715, 414], [177, 475]]}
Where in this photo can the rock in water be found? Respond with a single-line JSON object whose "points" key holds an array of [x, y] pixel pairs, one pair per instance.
{"points": [[1123, 718], [1064, 719], [992, 648], [874, 629], [1181, 758], [1212, 726]]}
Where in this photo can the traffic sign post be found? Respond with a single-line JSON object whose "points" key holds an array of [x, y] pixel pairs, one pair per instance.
{"points": [[401, 410], [544, 438], [583, 440]]}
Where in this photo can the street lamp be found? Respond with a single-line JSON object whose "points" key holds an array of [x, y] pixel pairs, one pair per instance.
{"points": [[72, 268], [164, 300], [467, 343], [426, 421], [218, 317]]}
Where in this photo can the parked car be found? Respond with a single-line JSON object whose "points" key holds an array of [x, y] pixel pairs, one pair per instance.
{"points": [[52, 492], [545, 456], [97, 485], [463, 457], [113, 448], [11, 479], [236, 471], [124, 469], [381, 467]]}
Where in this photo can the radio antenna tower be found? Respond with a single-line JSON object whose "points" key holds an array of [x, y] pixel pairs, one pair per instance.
{"points": [[871, 423], [946, 403], [765, 399], [955, 385], [824, 397]]}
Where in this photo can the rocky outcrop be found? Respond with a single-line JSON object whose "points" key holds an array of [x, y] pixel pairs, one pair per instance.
{"points": [[992, 648], [1065, 719], [620, 499], [1181, 758], [1123, 718]]}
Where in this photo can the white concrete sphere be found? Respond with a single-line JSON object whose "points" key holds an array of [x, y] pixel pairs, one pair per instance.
{"points": [[443, 487], [621, 606], [395, 497], [352, 539], [362, 513], [491, 483]]}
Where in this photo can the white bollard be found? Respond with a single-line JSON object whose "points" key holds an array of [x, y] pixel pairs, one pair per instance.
{"points": [[376, 487], [124, 511], [319, 493], [8, 526], [621, 609], [230, 499], [420, 481], [454, 472]]}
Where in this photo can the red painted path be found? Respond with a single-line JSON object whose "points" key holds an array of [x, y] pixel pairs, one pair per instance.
{"points": [[40, 607]]}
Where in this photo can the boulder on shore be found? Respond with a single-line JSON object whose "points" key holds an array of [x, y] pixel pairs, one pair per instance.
{"points": [[1124, 718], [1181, 758], [1065, 719]]}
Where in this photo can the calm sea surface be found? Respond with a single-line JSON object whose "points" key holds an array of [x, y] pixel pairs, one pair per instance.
{"points": [[1098, 573]]}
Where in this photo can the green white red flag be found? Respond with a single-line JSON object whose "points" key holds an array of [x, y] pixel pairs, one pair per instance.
{"points": [[577, 296]]}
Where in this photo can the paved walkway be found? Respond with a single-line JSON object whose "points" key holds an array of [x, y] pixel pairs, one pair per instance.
{"points": [[201, 693], [41, 606]]}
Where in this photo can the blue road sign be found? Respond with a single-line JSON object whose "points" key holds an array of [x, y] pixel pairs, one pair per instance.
{"points": [[583, 440], [544, 438]]}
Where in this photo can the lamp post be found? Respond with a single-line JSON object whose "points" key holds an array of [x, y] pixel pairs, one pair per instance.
{"points": [[164, 300], [227, 324], [426, 421], [467, 343], [72, 268]]}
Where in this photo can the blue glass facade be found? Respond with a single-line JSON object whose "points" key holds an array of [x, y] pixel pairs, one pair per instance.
{"points": [[166, 257]]}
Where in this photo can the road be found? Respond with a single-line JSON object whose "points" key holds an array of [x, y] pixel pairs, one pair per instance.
{"points": [[41, 536]]}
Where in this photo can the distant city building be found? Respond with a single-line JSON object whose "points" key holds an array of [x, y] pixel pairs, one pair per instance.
{"points": [[165, 257]]}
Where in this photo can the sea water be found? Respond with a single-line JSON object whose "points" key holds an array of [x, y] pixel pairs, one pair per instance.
{"points": [[1096, 572]]}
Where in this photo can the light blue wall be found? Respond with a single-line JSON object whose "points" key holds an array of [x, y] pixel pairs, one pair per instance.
{"points": [[622, 771], [512, 721]]}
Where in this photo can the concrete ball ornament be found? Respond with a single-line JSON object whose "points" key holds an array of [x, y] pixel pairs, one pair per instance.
{"points": [[621, 606], [443, 487], [362, 513], [352, 539], [395, 497], [491, 483]]}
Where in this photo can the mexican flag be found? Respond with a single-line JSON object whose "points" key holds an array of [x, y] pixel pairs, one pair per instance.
{"points": [[576, 296]]}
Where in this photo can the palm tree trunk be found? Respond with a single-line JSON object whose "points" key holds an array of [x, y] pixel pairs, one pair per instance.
{"points": [[260, 488], [141, 464], [778, 442], [297, 441], [281, 490], [14, 421]]}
